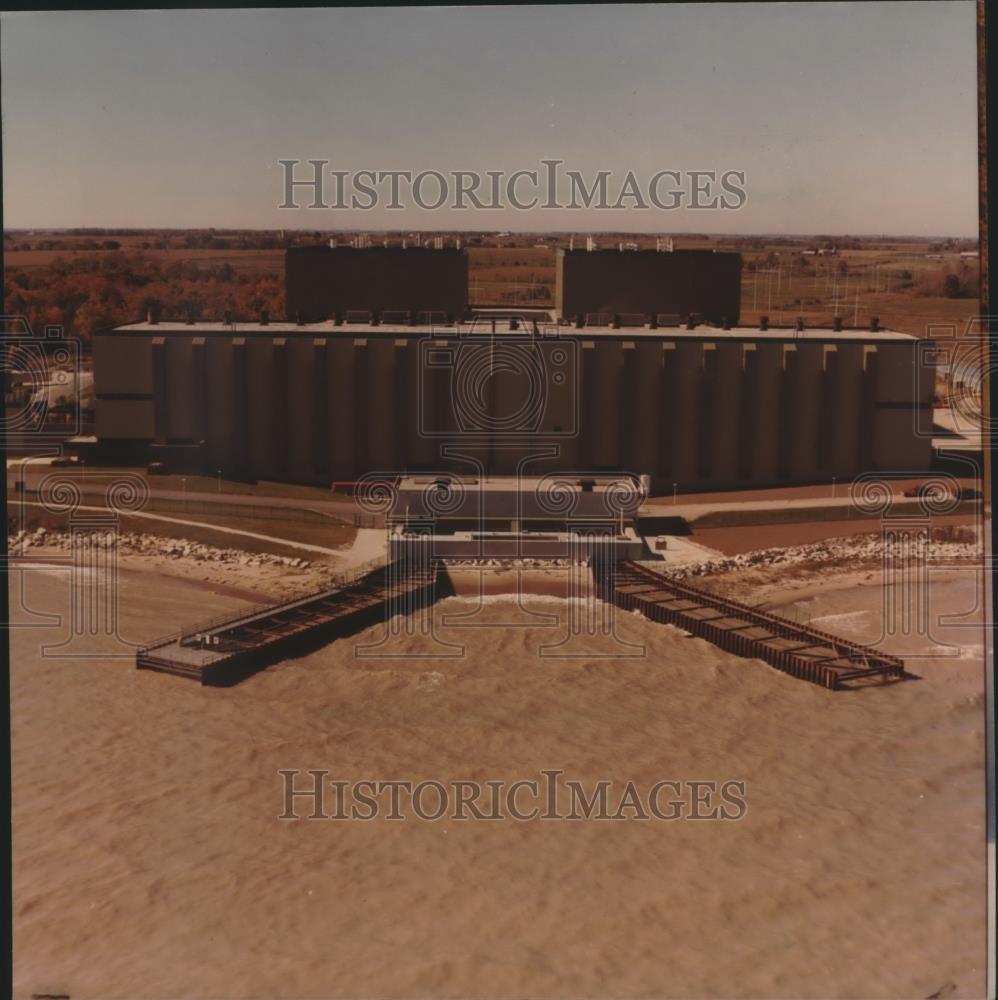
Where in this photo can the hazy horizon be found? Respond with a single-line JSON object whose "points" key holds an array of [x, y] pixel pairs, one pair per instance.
{"points": [[846, 119], [492, 232]]}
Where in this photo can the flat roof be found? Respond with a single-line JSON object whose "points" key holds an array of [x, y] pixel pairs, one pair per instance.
{"points": [[328, 328], [531, 498], [373, 250], [601, 481], [647, 252]]}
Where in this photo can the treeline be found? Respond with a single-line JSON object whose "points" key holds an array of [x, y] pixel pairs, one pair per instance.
{"points": [[86, 293], [192, 241], [48, 244], [158, 239]]}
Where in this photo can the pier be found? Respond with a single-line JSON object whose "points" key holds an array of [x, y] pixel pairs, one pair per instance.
{"points": [[229, 648], [796, 649]]}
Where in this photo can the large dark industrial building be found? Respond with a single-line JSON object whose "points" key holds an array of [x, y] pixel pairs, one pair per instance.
{"points": [[413, 285], [362, 383], [648, 285]]}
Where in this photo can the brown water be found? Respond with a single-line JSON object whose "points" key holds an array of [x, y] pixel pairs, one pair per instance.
{"points": [[149, 860]]}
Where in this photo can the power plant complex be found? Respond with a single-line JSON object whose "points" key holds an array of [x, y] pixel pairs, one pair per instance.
{"points": [[511, 442], [380, 366]]}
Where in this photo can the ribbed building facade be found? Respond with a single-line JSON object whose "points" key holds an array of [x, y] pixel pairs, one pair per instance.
{"points": [[325, 402]]}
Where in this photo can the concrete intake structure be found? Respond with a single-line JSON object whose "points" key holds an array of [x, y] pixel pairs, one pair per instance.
{"points": [[702, 408]]}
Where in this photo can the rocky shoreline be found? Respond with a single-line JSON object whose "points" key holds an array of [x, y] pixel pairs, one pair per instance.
{"points": [[138, 543], [856, 550], [279, 573]]}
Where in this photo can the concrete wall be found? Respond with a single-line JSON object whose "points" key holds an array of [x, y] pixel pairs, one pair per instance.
{"points": [[697, 411], [123, 384], [321, 282], [647, 282], [899, 425]]}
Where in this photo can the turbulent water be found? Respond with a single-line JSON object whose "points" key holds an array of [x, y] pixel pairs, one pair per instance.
{"points": [[149, 860]]}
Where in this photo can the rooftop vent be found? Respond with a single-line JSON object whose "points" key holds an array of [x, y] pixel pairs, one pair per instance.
{"points": [[396, 317], [264, 317], [630, 319], [837, 324], [763, 322], [874, 324], [430, 317], [152, 314]]}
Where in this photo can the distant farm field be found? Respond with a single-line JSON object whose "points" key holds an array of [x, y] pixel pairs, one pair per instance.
{"points": [[513, 276], [909, 285]]}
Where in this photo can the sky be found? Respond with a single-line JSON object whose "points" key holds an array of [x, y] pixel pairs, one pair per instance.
{"points": [[852, 118]]}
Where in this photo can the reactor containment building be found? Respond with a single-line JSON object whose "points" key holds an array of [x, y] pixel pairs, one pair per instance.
{"points": [[642, 367]]}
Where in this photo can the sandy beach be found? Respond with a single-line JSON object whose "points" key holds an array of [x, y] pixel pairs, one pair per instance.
{"points": [[149, 860]]}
